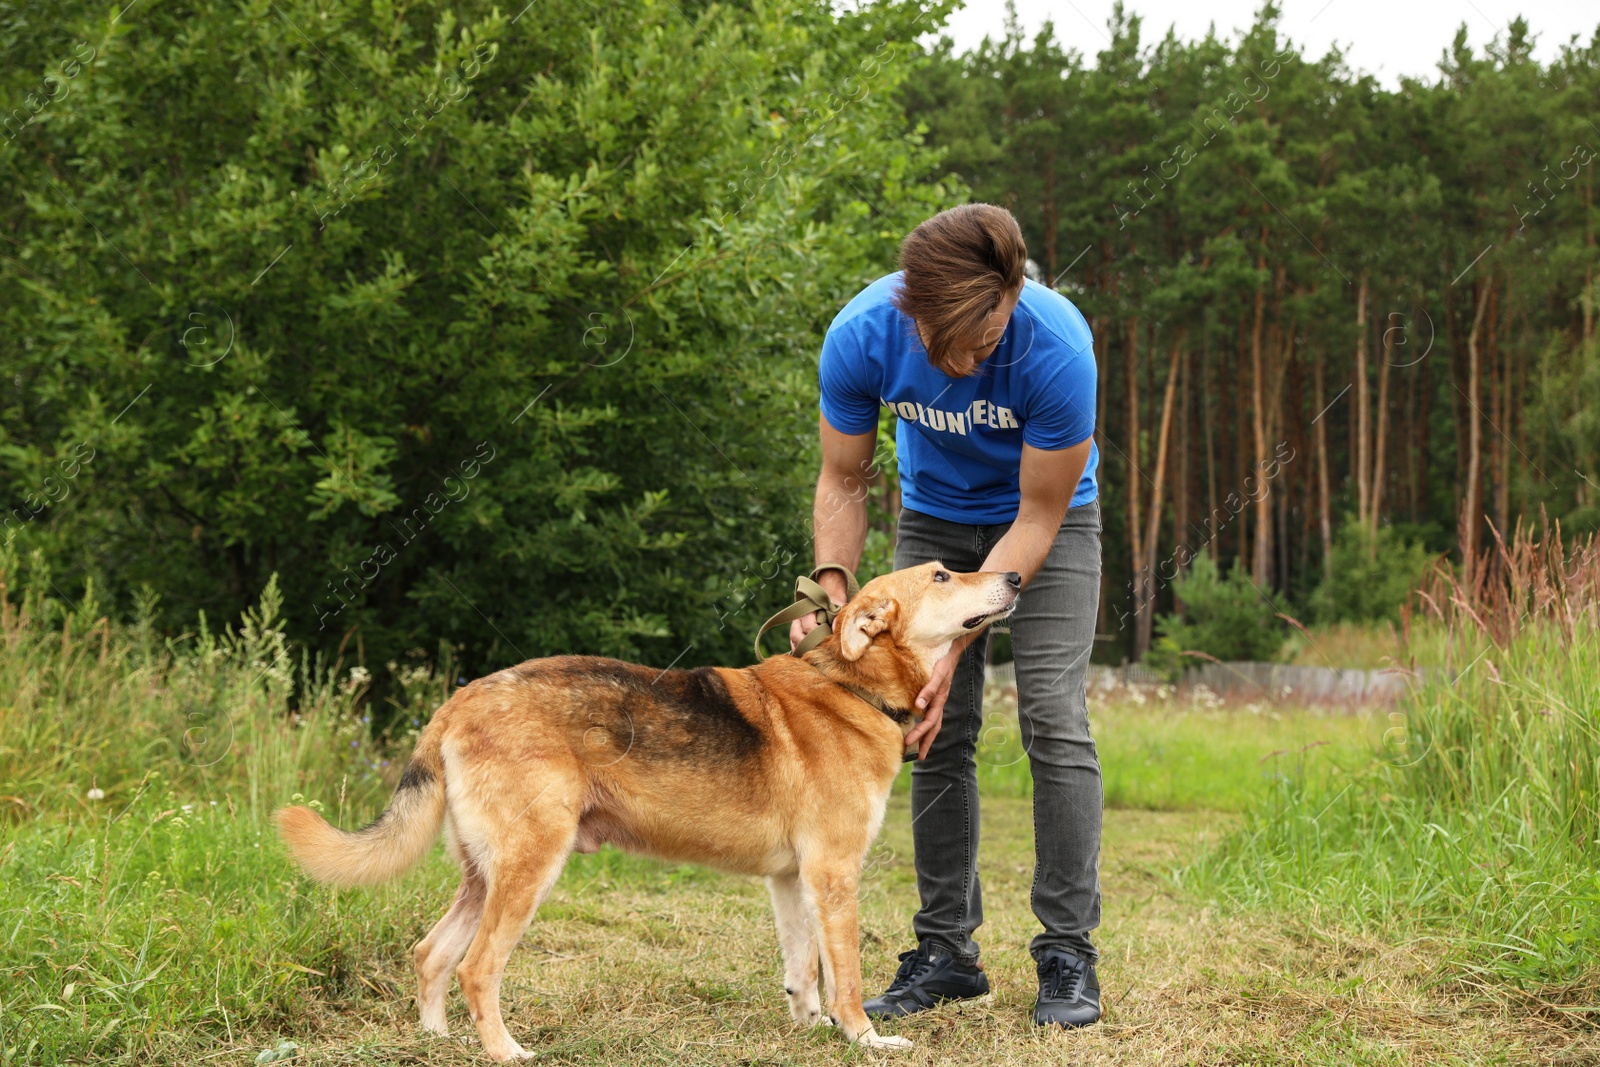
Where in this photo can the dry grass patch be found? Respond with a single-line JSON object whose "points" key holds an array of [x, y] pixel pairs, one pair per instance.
{"points": [[681, 966]]}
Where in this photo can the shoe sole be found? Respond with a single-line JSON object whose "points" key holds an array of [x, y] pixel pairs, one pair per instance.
{"points": [[985, 999], [1053, 1025]]}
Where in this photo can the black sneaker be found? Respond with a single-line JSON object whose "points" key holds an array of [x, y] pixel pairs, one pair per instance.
{"points": [[1069, 992], [927, 977]]}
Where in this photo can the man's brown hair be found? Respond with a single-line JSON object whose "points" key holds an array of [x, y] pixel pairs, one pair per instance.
{"points": [[959, 265]]}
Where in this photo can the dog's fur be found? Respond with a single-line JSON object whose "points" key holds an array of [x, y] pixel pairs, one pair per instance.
{"points": [[781, 770]]}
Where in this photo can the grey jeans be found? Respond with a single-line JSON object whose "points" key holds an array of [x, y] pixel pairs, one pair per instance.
{"points": [[1052, 632]]}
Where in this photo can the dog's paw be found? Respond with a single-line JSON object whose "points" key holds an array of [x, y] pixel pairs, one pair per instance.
{"points": [[515, 1052], [872, 1039], [806, 1008]]}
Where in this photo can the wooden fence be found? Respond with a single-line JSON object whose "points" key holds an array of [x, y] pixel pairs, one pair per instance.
{"points": [[1250, 681]]}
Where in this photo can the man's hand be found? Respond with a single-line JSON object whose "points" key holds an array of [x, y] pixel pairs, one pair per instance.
{"points": [[833, 582], [799, 628], [931, 699]]}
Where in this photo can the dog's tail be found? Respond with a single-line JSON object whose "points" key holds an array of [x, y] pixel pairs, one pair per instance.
{"points": [[391, 843]]}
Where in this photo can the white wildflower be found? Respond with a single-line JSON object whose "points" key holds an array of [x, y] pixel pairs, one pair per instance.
{"points": [[96, 793], [359, 676]]}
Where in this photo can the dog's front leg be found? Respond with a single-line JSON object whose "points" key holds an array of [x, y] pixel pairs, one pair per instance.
{"points": [[797, 935], [832, 885]]}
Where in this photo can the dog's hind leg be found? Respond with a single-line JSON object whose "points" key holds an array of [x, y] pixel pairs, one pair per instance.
{"points": [[525, 865], [797, 935], [437, 954]]}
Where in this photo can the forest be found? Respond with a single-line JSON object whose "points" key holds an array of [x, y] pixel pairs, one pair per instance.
{"points": [[1322, 308]]}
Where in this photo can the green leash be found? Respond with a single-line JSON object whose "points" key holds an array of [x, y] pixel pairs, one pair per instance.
{"points": [[810, 598]]}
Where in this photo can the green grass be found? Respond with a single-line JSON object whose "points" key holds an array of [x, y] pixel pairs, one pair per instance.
{"points": [[1165, 751], [147, 914], [1476, 829]]}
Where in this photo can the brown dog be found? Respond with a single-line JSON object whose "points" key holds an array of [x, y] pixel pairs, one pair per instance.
{"points": [[781, 769]]}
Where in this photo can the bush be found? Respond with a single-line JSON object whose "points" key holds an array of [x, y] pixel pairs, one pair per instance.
{"points": [[1226, 618], [493, 324], [1368, 577]]}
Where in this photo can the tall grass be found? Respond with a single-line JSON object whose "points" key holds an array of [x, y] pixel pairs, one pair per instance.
{"points": [[142, 901], [1478, 826]]}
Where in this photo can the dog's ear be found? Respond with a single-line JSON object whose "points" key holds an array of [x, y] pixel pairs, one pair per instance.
{"points": [[858, 625]]}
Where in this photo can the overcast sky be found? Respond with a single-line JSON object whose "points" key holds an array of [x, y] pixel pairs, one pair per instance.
{"points": [[1388, 38]]}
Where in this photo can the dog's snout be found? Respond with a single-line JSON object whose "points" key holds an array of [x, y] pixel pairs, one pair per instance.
{"points": [[1013, 579]]}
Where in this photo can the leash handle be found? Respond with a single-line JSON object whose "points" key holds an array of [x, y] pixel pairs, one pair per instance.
{"points": [[851, 586], [811, 599]]}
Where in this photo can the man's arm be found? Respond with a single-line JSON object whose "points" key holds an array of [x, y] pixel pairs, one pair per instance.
{"points": [[839, 511], [1047, 481]]}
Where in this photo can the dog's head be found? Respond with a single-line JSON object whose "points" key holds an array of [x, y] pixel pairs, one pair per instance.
{"points": [[900, 624]]}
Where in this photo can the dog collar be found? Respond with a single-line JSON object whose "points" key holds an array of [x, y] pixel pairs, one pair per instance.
{"points": [[899, 716]]}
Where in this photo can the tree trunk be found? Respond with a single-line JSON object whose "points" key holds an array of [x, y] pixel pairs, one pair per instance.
{"points": [[1363, 413], [1471, 519], [1206, 426], [1147, 571], [1283, 537], [1182, 486], [1106, 280], [1496, 417], [1502, 493], [1424, 436], [1409, 438], [1380, 446], [1241, 446], [1320, 435], [1130, 374], [1456, 331], [1261, 570]]}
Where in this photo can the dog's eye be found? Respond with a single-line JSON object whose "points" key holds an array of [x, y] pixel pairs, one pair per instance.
{"points": [[941, 576]]}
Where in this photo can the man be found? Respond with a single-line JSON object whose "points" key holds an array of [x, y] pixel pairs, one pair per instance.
{"points": [[992, 377]]}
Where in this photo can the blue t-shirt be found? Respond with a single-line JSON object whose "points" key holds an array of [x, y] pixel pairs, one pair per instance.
{"points": [[960, 439]]}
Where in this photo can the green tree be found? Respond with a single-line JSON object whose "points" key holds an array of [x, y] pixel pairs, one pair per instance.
{"points": [[1370, 574], [492, 325], [1225, 618]]}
